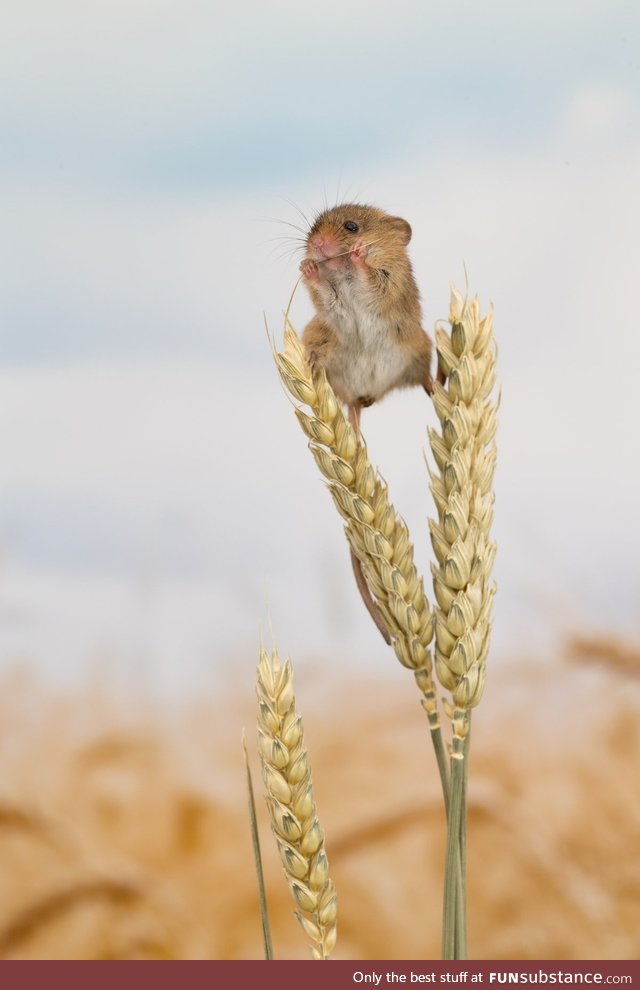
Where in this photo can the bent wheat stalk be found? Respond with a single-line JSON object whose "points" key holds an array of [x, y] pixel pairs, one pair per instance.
{"points": [[376, 535], [287, 776]]}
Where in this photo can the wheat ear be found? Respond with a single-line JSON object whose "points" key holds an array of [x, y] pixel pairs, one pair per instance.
{"points": [[376, 534], [465, 454], [287, 776]]}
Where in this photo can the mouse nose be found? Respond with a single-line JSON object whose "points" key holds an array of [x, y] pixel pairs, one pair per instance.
{"points": [[323, 245], [318, 243]]}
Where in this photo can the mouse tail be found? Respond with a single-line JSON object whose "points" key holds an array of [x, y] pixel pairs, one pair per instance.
{"points": [[367, 598]]}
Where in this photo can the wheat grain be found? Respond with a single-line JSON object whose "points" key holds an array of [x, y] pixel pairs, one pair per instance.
{"points": [[287, 776]]}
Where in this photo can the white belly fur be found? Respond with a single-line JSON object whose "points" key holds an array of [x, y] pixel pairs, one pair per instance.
{"points": [[368, 361]]}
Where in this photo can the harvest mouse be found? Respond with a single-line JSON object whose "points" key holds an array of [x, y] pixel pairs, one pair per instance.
{"points": [[367, 331]]}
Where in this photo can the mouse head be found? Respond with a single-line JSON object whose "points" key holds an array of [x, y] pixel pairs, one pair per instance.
{"points": [[335, 231]]}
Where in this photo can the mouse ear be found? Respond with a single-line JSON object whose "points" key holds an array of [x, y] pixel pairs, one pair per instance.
{"points": [[402, 228]]}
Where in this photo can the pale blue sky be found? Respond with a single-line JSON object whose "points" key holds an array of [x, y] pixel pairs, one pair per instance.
{"points": [[170, 95], [134, 108], [149, 154]]}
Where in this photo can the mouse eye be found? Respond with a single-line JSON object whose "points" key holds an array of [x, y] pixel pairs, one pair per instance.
{"points": [[352, 226]]}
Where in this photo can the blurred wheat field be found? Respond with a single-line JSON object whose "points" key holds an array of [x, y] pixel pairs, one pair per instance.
{"points": [[124, 831]]}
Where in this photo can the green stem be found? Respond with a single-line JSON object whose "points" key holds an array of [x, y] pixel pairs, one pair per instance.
{"points": [[463, 830], [431, 707], [255, 838], [441, 759], [454, 909], [461, 885]]}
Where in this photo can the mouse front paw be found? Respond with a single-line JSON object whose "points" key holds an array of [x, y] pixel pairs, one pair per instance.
{"points": [[359, 253], [309, 270]]}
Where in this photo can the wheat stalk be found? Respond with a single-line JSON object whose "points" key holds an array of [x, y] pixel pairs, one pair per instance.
{"points": [[465, 454], [287, 776], [376, 534]]}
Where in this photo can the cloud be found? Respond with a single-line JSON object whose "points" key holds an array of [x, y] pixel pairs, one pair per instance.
{"points": [[599, 112]]}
